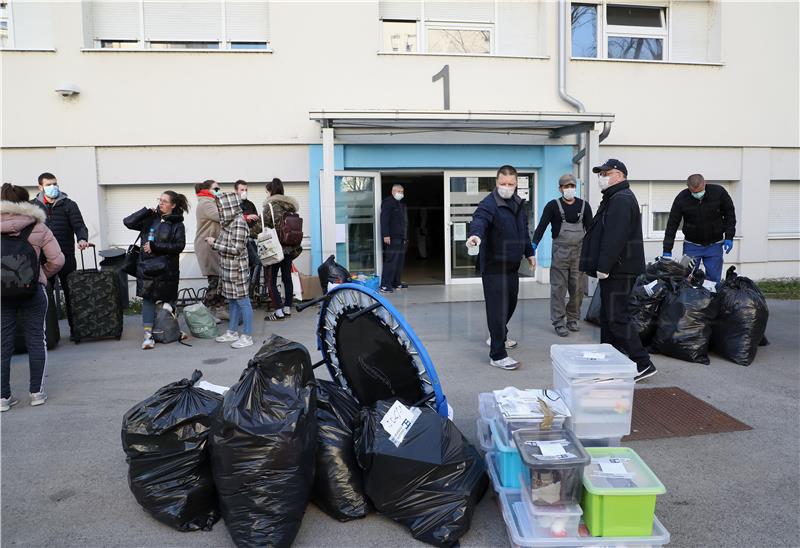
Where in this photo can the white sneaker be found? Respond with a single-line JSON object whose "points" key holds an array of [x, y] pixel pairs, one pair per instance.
{"points": [[510, 343], [38, 398], [229, 336], [508, 363], [8, 403], [148, 343], [287, 311], [279, 314], [243, 342]]}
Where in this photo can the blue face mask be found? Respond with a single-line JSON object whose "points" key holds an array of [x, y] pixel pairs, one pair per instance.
{"points": [[52, 191], [215, 191], [699, 195]]}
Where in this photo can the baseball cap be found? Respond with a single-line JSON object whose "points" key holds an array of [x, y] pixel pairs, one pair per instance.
{"points": [[611, 163]]}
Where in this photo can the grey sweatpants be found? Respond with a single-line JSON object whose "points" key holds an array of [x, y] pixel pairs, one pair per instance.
{"points": [[34, 313]]}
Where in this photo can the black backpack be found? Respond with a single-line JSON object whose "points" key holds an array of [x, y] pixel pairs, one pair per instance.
{"points": [[20, 266]]}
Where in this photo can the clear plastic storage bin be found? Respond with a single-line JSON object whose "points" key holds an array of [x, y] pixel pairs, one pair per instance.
{"points": [[554, 462], [516, 409], [522, 534], [620, 490], [596, 381], [494, 474], [509, 462], [552, 521], [484, 435]]}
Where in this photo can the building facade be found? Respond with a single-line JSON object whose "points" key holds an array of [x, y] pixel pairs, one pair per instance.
{"points": [[343, 99]]}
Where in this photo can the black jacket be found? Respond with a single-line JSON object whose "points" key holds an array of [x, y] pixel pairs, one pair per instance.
{"points": [[706, 221], [613, 242], [64, 219], [551, 215], [502, 226], [158, 272], [393, 218]]}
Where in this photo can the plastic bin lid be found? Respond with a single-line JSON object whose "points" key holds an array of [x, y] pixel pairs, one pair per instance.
{"points": [[550, 449], [619, 471], [521, 531], [487, 405], [590, 360]]}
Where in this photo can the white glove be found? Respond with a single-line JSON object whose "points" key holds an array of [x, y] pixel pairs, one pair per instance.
{"points": [[472, 241], [602, 275]]}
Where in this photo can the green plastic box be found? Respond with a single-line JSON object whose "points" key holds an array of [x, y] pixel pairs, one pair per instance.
{"points": [[619, 495]]}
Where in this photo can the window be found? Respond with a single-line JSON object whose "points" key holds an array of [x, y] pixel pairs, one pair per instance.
{"points": [[4, 13], [784, 208], [400, 36], [179, 25], [626, 32], [459, 40]]}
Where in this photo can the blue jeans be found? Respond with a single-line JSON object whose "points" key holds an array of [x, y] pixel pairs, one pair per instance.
{"points": [[710, 255], [148, 312], [241, 311]]}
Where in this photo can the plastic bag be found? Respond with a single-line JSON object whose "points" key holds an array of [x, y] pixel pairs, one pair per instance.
{"points": [[593, 313], [667, 269], [431, 482], [333, 272], [200, 322], [685, 320], [643, 306], [263, 442], [166, 328], [165, 439], [742, 320], [338, 481]]}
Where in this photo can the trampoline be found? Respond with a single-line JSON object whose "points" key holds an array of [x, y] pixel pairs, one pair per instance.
{"points": [[371, 351]]}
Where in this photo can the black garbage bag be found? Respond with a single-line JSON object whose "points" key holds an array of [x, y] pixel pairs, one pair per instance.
{"points": [[263, 440], [165, 439], [333, 272], [643, 305], [430, 483], [166, 328], [338, 480], [593, 313], [667, 270], [685, 320], [742, 321]]}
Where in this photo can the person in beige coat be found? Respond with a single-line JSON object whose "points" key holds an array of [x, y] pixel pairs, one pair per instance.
{"points": [[19, 219], [208, 227]]}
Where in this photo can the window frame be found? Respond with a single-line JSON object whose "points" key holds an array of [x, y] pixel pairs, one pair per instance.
{"points": [[604, 30], [453, 25], [382, 36]]}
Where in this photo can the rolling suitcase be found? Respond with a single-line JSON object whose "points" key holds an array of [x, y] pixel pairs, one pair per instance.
{"points": [[51, 326], [96, 310]]}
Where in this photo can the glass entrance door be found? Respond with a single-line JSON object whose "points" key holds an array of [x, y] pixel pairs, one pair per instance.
{"points": [[463, 192], [357, 235]]}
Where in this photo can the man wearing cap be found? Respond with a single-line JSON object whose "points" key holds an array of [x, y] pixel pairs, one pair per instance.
{"points": [[613, 252], [709, 224], [569, 217]]}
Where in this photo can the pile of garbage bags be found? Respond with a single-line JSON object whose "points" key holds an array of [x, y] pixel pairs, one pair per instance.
{"points": [[280, 438]]}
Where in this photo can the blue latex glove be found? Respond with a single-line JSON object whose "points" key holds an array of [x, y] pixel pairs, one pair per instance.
{"points": [[727, 245], [667, 254], [534, 245]]}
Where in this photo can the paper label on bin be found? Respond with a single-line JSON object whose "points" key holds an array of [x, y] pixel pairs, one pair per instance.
{"points": [[551, 449], [398, 421], [594, 355], [614, 466]]}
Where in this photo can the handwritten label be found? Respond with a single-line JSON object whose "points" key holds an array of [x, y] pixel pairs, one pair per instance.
{"points": [[398, 421]]}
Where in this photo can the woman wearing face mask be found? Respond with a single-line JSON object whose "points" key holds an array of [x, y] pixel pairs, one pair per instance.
{"points": [[275, 208], [253, 220], [569, 217], [208, 227], [163, 239]]}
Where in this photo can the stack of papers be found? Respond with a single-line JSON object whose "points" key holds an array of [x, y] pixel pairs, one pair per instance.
{"points": [[526, 404]]}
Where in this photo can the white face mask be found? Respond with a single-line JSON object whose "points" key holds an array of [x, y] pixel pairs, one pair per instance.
{"points": [[505, 193], [602, 182], [398, 196], [569, 193], [243, 195]]}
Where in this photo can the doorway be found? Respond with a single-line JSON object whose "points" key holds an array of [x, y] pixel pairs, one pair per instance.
{"points": [[424, 198]]}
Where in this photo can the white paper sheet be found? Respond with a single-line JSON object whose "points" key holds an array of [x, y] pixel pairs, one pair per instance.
{"points": [[341, 233], [460, 232], [472, 185]]}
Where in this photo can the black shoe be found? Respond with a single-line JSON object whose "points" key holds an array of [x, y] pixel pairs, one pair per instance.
{"points": [[561, 331], [385, 289], [645, 373], [573, 326], [402, 285]]}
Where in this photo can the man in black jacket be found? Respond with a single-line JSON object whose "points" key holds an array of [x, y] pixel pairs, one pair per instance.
{"points": [[64, 219], [709, 224], [394, 223], [500, 227], [613, 252]]}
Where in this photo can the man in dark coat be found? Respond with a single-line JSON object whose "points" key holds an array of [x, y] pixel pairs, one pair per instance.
{"points": [[64, 219], [709, 224], [613, 252], [394, 225], [500, 227]]}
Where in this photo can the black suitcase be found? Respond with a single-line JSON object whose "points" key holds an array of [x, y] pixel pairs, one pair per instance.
{"points": [[94, 296], [51, 326]]}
